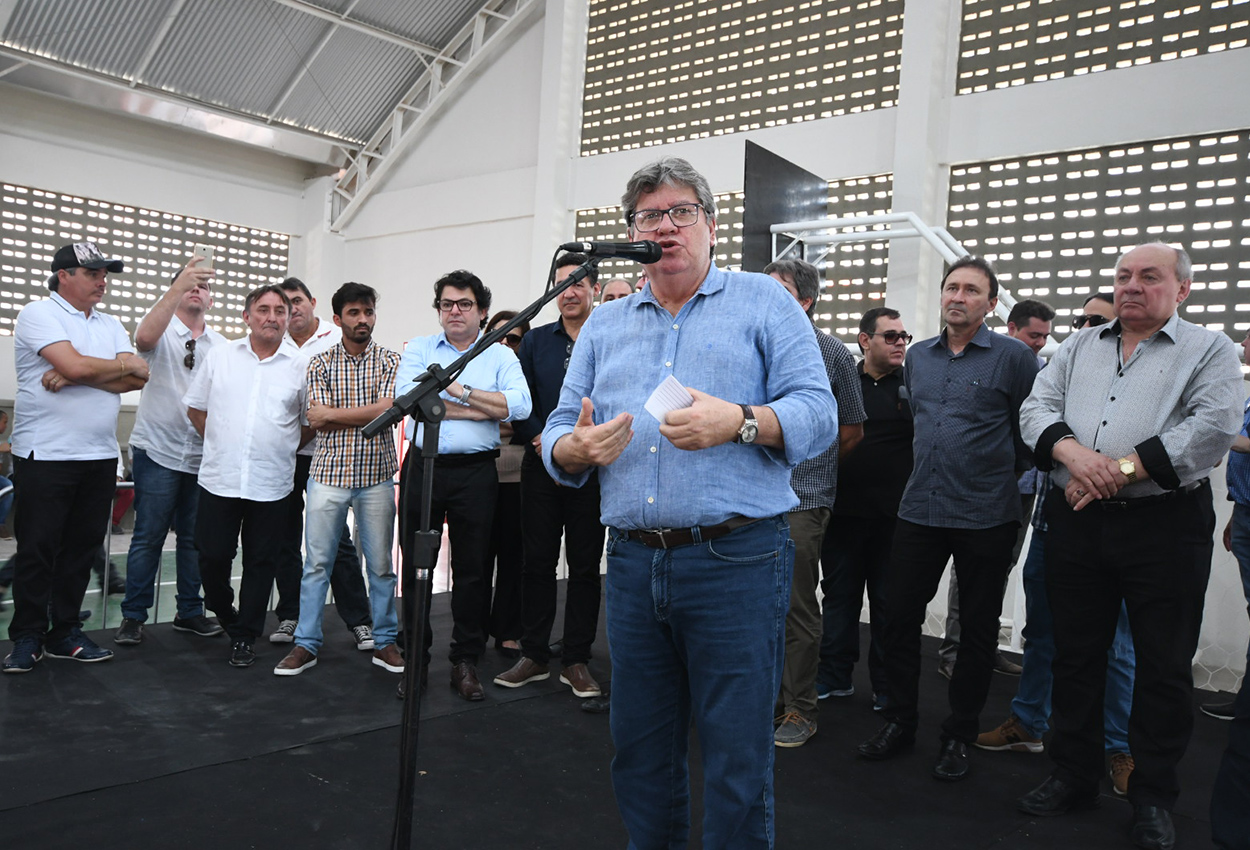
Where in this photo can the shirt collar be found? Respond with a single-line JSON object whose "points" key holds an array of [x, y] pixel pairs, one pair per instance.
{"points": [[1169, 328], [60, 301], [712, 284], [983, 338], [441, 339]]}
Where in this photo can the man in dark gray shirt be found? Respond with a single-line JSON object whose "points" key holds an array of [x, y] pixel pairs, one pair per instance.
{"points": [[966, 386], [1131, 417]]}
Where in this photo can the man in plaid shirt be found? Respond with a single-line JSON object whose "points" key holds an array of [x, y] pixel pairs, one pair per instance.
{"points": [[348, 386]]}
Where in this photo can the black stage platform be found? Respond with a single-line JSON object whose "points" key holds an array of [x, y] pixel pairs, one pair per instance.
{"points": [[169, 746]]}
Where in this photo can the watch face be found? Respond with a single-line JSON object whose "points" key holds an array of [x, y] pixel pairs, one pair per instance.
{"points": [[748, 432]]}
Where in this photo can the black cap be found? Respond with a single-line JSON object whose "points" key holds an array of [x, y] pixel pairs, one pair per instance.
{"points": [[81, 255]]}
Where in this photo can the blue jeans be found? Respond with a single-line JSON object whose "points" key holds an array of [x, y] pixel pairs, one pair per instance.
{"points": [[6, 501], [323, 523], [1032, 703], [163, 497], [1241, 550], [697, 630]]}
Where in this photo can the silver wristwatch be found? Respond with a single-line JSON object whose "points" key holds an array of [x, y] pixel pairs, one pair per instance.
{"points": [[464, 396], [750, 428]]}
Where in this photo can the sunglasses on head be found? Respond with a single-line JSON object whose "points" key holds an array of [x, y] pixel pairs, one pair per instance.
{"points": [[1091, 319]]}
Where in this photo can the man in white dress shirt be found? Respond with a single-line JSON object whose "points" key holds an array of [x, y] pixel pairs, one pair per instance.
{"points": [[72, 363], [248, 404], [165, 452]]}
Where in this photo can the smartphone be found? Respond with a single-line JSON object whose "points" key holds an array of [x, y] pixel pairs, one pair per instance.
{"points": [[205, 252]]}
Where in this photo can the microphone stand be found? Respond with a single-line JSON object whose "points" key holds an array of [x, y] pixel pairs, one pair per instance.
{"points": [[424, 404]]}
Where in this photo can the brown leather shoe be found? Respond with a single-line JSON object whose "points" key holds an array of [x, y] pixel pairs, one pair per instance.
{"points": [[522, 673], [388, 658], [297, 661], [464, 680], [577, 677]]}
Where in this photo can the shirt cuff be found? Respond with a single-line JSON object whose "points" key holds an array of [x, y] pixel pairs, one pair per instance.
{"points": [[1046, 444], [1154, 457]]}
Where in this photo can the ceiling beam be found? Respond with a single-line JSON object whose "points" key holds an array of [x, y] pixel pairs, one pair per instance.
{"points": [[305, 63], [425, 51], [157, 40]]}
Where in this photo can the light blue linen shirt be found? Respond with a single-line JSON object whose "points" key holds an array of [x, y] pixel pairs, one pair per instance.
{"points": [[742, 338], [495, 370]]}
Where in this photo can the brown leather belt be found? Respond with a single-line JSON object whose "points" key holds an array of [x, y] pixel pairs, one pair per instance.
{"points": [[667, 538]]}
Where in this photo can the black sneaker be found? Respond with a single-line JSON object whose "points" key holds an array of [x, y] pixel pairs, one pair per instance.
{"points": [[26, 651], [78, 647], [241, 654], [197, 625], [1219, 710], [130, 633]]}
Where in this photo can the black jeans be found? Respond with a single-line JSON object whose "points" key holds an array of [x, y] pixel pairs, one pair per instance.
{"points": [[217, 527], [1230, 817], [464, 491], [855, 554], [547, 511], [346, 580], [1157, 559], [917, 560], [502, 618], [62, 515]]}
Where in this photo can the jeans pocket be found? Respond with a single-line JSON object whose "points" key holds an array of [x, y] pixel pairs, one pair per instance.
{"points": [[744, 546]]}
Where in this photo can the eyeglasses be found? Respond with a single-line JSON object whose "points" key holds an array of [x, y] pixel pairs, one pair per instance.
{"points": [[682, 215], [189, 360], [464, 304], [1091, 319], [893, 337], [511, 340]]}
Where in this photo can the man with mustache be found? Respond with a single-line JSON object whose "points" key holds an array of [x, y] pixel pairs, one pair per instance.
{"points": [[966, 386], [72, 363], [247, 404], [348, 386]]}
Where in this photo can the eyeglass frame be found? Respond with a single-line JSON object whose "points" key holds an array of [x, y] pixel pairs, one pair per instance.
{"points": [[903, 335], [511, 340], [632, 218], [438, 305], [1094, 320]]}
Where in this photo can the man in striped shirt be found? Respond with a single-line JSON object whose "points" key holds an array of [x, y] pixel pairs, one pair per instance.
{"points": [[348, 386]]}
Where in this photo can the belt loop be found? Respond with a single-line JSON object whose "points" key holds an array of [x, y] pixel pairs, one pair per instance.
{"points": [[696, 535]]}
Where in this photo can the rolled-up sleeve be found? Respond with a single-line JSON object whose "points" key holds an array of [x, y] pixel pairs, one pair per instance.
{"points": [[515, 389], [798, 389]]}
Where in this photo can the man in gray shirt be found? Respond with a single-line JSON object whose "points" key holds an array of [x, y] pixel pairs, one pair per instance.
{"points": [[966, 386], [1131, 417]]}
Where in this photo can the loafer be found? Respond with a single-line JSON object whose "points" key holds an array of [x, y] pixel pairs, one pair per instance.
{"points": [[389, 658], [1056, 797], [522, 673], [1152, 828], [577, 677], [890, 740], [464, 681], [297, 661], [242, 654], [952, 763]]}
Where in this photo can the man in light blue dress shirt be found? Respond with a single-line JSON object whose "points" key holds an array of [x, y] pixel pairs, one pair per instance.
{"points": [[491, 389], [699, 552]]}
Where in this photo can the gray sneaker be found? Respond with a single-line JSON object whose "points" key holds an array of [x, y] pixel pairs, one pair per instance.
{"points": [[129, 634], [793, 730], [285, 633], [363, 636]]}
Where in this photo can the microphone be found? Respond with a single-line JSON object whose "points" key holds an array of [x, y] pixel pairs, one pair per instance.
{"points": [[640, 252]]}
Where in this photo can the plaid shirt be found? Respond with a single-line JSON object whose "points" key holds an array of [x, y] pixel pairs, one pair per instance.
{"points": [[335, 378]]}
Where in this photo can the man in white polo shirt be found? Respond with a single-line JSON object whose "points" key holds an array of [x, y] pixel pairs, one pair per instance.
{"points": [[72, 362], [165, 452], [247, 403]]}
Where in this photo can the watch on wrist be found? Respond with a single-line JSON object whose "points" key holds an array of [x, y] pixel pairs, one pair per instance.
{"points": [[464, 396], [750, 428], [1128, 469]]}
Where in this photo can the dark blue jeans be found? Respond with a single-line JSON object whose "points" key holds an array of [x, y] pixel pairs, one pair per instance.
{"points": [[697, 630], [163, 497]]}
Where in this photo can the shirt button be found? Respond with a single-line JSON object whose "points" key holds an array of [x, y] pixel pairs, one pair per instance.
{"points": [[669, 364], [1104, 421], [653, 449], [650, 500], [1113, 398], [675, 327]]}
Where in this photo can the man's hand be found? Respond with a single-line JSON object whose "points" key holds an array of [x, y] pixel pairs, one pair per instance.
{"points": [[710, 421], [537, 443], [1096, 476], [192, 276], [135, 365], [589, 444], [53, 381], [321, 417]]}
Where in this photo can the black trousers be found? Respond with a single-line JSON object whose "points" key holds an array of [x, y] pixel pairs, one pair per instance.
{"points": [[918, 558], [1230, 814], [547, 512], [502, 617], [464, 495], [1157, 559], [61, 517], [218, 523], [346, 579], [855, 554]]}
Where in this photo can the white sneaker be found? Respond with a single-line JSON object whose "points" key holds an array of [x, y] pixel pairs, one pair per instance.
{"points": [[285, 633]]}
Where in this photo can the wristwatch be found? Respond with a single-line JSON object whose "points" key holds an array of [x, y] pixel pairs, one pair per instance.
{"points": [[750, 428], [464, 396], [1128, 469]]}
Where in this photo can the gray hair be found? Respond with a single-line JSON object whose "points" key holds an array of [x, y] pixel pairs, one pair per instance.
{"points": [[804, 276], [667, 171], [1184, 265]]}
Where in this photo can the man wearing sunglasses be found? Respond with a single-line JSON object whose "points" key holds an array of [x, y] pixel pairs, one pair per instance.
{"points": [[1098, 310], [699, 549], [165, 452]]}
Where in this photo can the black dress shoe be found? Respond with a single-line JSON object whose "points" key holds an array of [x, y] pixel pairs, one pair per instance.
{"points": [[1056, 797], [890, 740], [952, 763], [464, 680], [1152, 828]]}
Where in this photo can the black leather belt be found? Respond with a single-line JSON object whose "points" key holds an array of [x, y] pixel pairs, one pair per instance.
{"points": [[667, 538], [1144, 501]]}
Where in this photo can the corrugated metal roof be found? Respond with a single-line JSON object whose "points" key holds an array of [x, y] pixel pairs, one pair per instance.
{"points": [[278, 61]]}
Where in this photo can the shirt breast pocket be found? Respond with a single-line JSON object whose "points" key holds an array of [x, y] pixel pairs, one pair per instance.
{"points": [[280, 403]]}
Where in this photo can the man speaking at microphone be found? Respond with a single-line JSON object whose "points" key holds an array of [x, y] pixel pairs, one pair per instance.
{"points": [[699, 551]]}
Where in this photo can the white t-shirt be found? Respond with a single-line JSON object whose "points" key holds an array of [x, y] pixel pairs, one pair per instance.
{"points": [[77, 423], [254, 412], [326, 337], [162, 428]]}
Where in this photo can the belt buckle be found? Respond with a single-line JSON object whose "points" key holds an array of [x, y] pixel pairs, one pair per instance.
{"points": [[660, 533]]}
